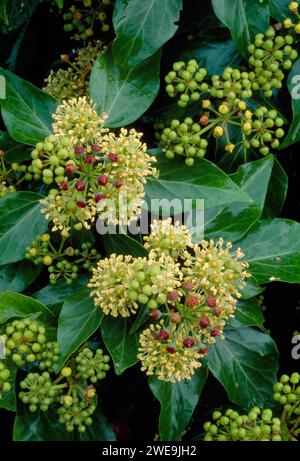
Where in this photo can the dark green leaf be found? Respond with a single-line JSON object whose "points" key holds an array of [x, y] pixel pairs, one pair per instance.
{"points": [[39, 427], [141, 318], [14, 151], [249, 313], [277, 191], [18, 305], [123, 244], [78, 320], [122, 346], [244, 19], [293, 84], [142, 28], [279, 9], [14, 13], [246, 363], [26, 110], [21, 221], [272, 248], [100, 431], [178, 402], [251, 289], [17, 276], [124, 94]]}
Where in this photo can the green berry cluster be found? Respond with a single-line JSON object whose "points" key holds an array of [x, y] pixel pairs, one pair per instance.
{"points": [[182, 138], [84, 18], [38, 391], [270, 55], [23, 340], [92, 366], [231, 86], [5, 385], [76, 411], [50, 158], [261, 425], [266, 130], [48, 356], [65, 261], [256, 425], [289, 24], [186, 80]]}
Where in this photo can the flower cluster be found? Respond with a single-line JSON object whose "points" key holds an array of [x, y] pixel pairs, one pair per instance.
{"points": [[73, 81], [6, 180], [190, 291], [97, 173], [84, 18], [261, 425], [62, 260]]}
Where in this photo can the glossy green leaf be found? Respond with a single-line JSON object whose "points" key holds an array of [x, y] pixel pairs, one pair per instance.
{"points": [[122, 346], [251, 289], [39, 427], [26, 110], [244, 19], [178, 402], [54, 295], [123, 244], [78, 320], [17, 276], [18, 305], [142, 28], [279, 9], [204, 181], [21, 221], [272, 248], [293, 84], [14, 13], [246, 363], [249, 313], [124, 94], [100, 431], [14, 151], [277, 191]]}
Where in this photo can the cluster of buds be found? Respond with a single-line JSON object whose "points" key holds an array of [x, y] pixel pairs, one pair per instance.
{"points": [[190, 292], [62, 260], [101, 174], [289, 24], [6, 180], [73, 80], [5, 385], [71, 391], [261, 425], [270, 55], [259, 130], [84, 18]]}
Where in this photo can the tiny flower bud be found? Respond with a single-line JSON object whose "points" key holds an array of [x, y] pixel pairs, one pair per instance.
{"points": [[192, 300], [204, 322], [70, 168], [211, 301], [205, 104], [218, 131], [217, 311], [188, 342], [170, 349], [81, 204], [80, 185], [90, 159], [112, 157], [95, 148], [293, 7], [188, 286], [66, 371], [163, 334], [203, 350], [102, 180], [172, 296], [64, 57], [99, 197], [230, 148], [204, 120], [175, 317], [64, 185], [155, 314], [118, 183], [214, 332], [79, 150], [2, 154]]}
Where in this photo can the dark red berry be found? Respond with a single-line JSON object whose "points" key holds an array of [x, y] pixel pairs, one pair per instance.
{"points": [[214, 332], [80, 185], [95, 148], [217, 311], [170, 349], [90, 159], [79, 150], [102, 180], [70, 168], [188, 342], [81, 204], [99, 197], [64, 185], [172, 296], [175, 317], [112, 157], [192, 300], [164, 334], [204, 322], [211, 301], [118, 183], [203, 350], [155, 335], [155, 314], [204, 120], [188, 286]]}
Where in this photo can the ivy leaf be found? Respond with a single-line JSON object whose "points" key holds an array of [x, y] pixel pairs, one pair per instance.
{"points": [[293, 84], [178, 402], [78, 320], [279, 9], [124, 94], [277, 191], [142, 28], [18, 305], [100, 431], [15, 13], [26, 110], [251, 289], [17, 276], [179, 182], [123, 245], [272, 249], [243, 18], [14, 151], [21, 221], [249, 313], [122, 346], [246, 363]]}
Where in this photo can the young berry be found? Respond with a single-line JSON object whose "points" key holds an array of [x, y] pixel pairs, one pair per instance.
{"points": [[112, 157], [102, 180], [118, 183], [155, 314], [81, 204], [203, 350], [90, 159], [95, 148], [214, 332], [99, 197], [188, 286], [188, 342], [211, 301], [172, 296], [164, 335], [175, 317], [79, 150], [204, 322], [192, 300], [70, 168], [217, 311], [170, 349], [64, 185], [80, 185]]}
